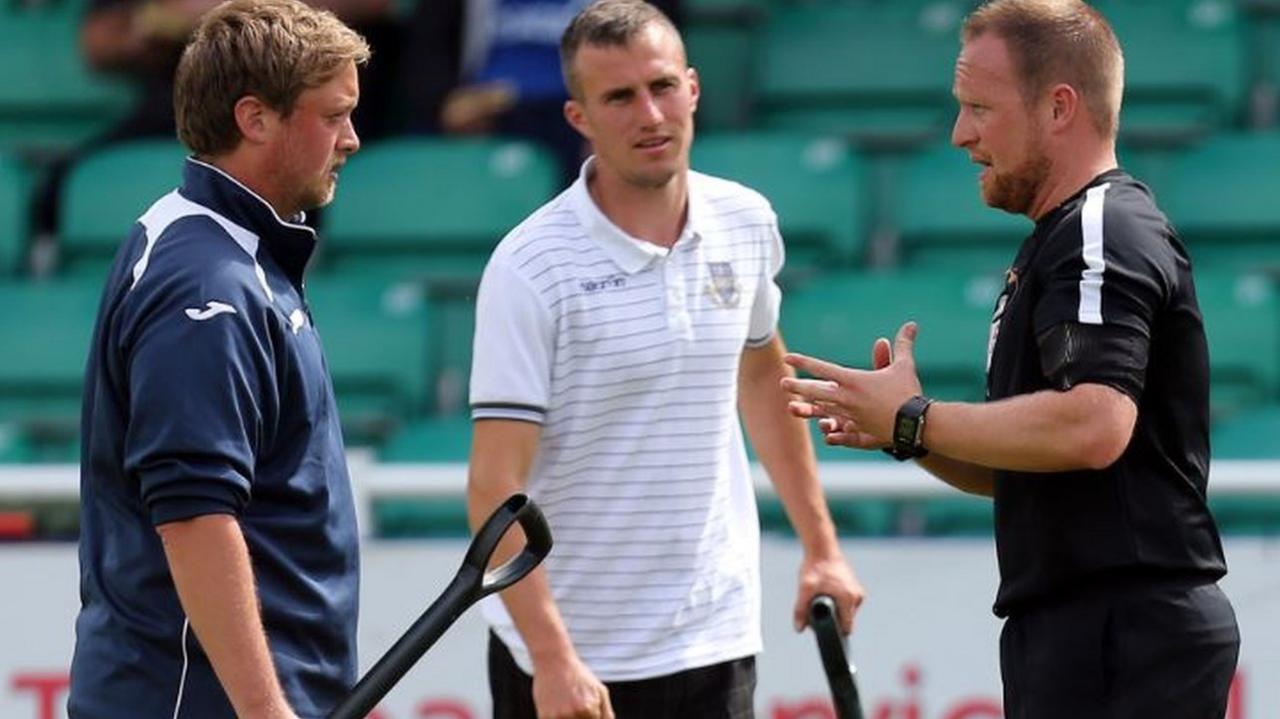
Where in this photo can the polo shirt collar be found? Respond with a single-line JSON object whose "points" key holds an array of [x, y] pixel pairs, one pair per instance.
{"points": [[629, 253], [289, 242]]}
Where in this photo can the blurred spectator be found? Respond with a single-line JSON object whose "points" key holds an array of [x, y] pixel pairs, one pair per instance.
{"points": [[493, 67], [142, 40]]}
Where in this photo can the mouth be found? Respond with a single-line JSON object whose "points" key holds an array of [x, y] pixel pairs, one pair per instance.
{"points": [[654, 144]]}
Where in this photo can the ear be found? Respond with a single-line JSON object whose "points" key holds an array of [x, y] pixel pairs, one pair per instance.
{"points": [[1064, 105], [256, 121], [576, 116], [695, 88]]}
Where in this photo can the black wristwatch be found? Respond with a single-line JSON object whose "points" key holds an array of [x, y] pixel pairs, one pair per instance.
{"points": [[908, 430]]}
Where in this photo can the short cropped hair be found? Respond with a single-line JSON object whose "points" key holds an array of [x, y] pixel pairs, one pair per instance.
{"points": [[1059, 41], [270, 49], [607, 23]]}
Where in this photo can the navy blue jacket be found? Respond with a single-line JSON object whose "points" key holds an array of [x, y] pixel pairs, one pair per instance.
{"points": [[207, 392]]}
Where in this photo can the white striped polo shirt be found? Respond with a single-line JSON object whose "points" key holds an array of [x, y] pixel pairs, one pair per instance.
{"points": [[627, 354]]}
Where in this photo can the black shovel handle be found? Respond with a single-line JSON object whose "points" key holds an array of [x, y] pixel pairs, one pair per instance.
{"points": [[470, 584], [835, 661]]}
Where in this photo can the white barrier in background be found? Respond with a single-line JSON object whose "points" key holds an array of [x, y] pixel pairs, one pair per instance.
{"points": [[925, 642]]}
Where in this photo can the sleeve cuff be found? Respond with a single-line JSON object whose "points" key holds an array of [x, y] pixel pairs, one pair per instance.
{"points": [[507, 410], [176, 509]]}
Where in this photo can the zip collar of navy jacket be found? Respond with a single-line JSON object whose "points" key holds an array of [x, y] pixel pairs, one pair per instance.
{"points": [[290, 244]]}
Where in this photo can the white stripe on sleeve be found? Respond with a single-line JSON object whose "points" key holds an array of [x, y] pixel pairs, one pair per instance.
{"points": [[1095, 264]]}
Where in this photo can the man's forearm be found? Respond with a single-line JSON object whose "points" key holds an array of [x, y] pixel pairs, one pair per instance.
{"points": [[1087, 427], [501, 456], [783, 446], [210, 565]]}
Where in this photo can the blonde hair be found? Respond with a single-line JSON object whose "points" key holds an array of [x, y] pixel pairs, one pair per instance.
{"points": [[1059, 41], [270, 49]]}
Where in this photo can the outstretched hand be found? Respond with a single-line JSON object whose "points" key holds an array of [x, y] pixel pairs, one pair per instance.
{"points": [[856, 408]]}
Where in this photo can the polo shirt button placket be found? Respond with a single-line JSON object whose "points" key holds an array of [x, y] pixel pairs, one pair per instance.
{"points": [[677, 310]]}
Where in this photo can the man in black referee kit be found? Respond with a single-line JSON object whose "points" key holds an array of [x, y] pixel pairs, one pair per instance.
{"points": [[1093, 441], [218, 551]]}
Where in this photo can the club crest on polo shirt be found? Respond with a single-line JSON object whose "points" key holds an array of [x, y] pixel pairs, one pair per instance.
{"points": [[723, 287]]}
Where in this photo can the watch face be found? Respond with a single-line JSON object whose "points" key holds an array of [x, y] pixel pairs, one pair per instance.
{"points": [[905, 430]]}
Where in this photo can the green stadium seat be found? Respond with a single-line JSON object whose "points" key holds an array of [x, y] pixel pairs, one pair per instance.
{"points": [[961, 515], [817, 187], [839, 316], [942, 221], [49, 99], [15, 448], [430, 439], [1250, 435], [375, 335], [417, 517], [1242, 325], [433, 208], [1246, 514], [13, 216], [45, 331], [1221, 197], [106, 192], [877, 72], [723, 40], [859, 517], [1184, 66]]}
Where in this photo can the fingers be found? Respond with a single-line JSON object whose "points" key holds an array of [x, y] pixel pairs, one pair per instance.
{"points": [[904, 344], [818, 368], [881, 355], [800, 613], [606, 706], [815, 391]]}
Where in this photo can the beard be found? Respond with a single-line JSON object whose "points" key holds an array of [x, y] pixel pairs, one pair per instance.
{"points": [[1014, 191], [317, 194]]}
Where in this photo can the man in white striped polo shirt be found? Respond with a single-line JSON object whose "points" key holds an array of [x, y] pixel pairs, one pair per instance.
{"points": [[619, 331]]}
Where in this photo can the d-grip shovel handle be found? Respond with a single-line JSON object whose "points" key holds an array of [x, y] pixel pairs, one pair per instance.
{"points": [[835, 661], [519, 508], [470, 584]]}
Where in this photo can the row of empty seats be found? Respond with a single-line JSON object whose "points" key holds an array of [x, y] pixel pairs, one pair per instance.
{"points": [[434, 208], [400, 357], [880, 71], [873, 70]]}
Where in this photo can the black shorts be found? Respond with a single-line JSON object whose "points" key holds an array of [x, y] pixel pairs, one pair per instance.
{"points": [[720, 691], [1165, 651]]}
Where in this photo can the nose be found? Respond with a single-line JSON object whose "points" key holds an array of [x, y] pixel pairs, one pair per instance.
{"points": [[349, 141], [963, 133], [650, 111]]}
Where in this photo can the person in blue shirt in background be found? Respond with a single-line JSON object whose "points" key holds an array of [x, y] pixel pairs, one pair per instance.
{"points": [[218, 549], [492, 67]]}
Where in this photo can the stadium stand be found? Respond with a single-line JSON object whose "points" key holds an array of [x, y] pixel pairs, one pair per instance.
{"points": [[942, 221], [14, 185], [838, 316], [375, 335], [790, 87], [45, 331], [816, 185], [1242, 324], [49, 100], [104, 195], [723, 38], [1221, 196], [1184, 67], [903, 53], [433, 209]]}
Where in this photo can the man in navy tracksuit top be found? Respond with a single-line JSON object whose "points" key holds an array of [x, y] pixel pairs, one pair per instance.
{"points": [[218, 554]]}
